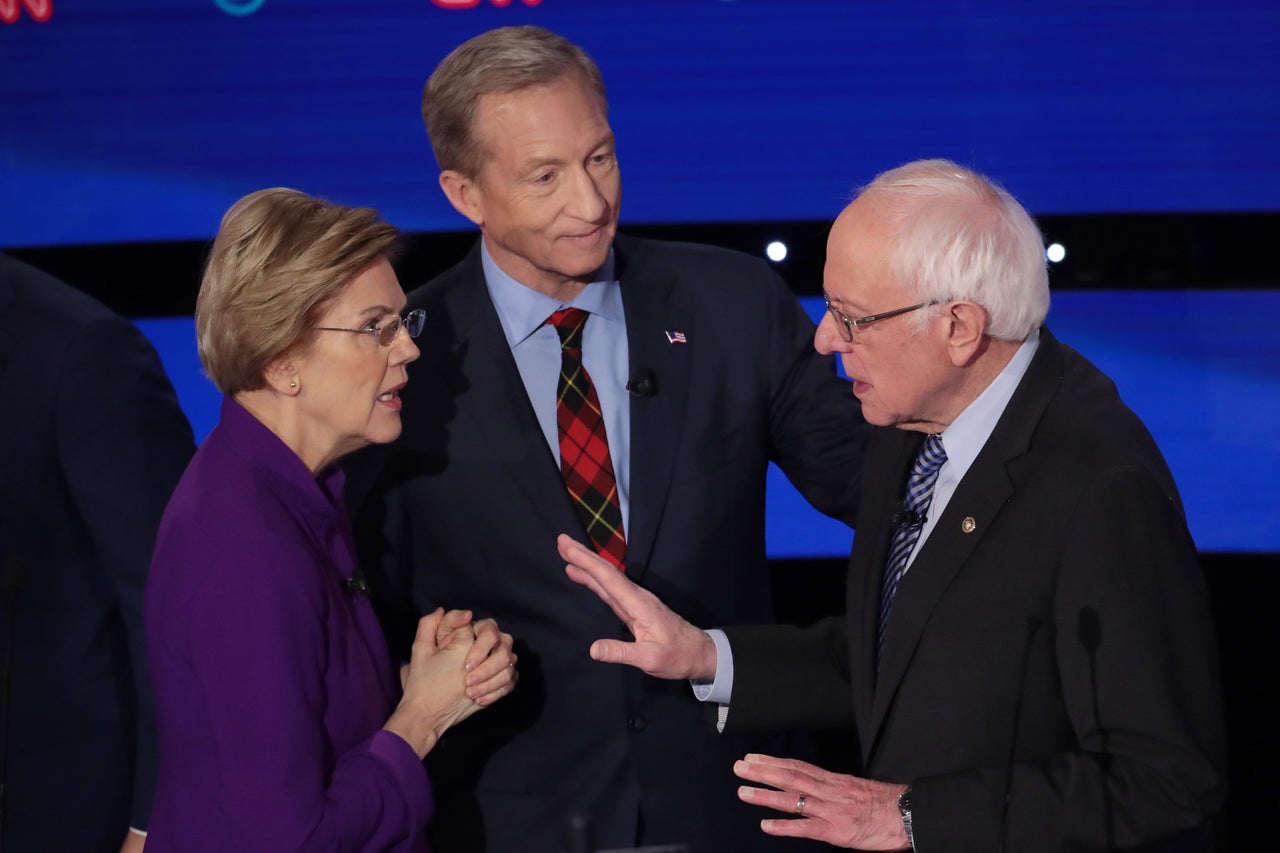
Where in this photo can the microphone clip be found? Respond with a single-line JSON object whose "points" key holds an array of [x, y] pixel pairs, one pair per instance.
{"points": [[907, 518], [642, 383]]}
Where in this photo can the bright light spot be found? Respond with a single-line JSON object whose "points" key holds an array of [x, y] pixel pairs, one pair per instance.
{"points": [[777, 251], [1055, 253]]}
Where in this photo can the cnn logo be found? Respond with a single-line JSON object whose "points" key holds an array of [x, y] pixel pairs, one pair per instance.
{"points": [[471, 4], [39, 10]]}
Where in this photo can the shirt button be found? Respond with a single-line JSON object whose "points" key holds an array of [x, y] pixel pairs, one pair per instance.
{"points": [[637, 723]]}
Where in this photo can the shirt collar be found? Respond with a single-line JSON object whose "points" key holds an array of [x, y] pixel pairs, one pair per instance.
{"points": [[318, 495], [966, 435], [523, 310]]}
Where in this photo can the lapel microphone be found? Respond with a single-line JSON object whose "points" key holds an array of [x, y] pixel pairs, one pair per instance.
{"points": [[357, 585], [907, 518], [642, 383]]}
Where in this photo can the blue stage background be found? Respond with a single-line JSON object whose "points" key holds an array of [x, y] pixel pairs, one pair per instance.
{"points": [[139, 120], [1198, 367], [143, 120]]}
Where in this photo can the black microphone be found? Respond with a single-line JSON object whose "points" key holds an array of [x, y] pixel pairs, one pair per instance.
{"points": [[1033, 625], [579, 835], [15, 578], [1089, 629], [907, 518], [642, 383], [356, 583]]}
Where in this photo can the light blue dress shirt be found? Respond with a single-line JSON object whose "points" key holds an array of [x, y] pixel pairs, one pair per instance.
{"points": [[523, 313], [963, 439]]}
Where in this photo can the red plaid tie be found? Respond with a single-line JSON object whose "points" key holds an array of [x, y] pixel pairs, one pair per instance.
{"points": [[584, 447]]}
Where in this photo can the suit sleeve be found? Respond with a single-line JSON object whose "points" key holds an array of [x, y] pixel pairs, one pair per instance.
{"points": [[786, 677], [124, 443], [1138, 668], [817, 433]]}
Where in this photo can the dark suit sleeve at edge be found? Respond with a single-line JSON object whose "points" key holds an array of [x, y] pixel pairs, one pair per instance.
{"points": [[124, 443], [817, 434]]}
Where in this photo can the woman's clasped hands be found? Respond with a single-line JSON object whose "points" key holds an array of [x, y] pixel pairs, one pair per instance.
{"points": [[457, 667]]}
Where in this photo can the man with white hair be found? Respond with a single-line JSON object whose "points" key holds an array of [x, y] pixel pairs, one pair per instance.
{"points": [[1027, 657]]}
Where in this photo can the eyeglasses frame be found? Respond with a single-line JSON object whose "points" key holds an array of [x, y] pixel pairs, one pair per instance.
{"points": [[386, 335], [848, 326]]}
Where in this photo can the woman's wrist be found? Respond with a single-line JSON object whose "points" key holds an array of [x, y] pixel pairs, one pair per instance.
{"points": [[415, 730]]}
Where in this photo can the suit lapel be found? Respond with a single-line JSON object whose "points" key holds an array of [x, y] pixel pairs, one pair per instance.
{"points": [[986, 488], [653, 308], [888, 460], [465, 345]]}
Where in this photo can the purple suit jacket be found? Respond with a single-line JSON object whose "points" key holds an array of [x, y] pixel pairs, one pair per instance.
{"points": [[272, 679]]}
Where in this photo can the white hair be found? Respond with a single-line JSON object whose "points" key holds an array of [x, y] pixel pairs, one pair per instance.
{"points": [[957, 235]]}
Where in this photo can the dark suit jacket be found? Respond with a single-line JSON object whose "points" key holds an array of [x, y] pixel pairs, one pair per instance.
{"points": [[1071, 623], [467, 506], [92, 442]]}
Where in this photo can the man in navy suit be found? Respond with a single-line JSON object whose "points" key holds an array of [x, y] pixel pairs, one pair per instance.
{"points": [[702, 363], [1027, 657], [92, 442]]}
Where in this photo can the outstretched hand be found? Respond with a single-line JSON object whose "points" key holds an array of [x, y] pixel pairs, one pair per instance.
{"points": [[665, 646]]}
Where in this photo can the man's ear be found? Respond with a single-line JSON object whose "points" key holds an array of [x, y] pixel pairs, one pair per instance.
{"points": [[464, 194], [966, 331]]}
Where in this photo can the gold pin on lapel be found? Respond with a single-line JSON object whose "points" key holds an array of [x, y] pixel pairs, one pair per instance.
{"points": [[968, 525]]}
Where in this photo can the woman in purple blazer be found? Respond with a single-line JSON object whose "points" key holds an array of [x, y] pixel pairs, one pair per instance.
{"points": [[282, 723]]}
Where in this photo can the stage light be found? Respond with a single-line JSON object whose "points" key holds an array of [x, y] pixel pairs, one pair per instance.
{"points": [[1055, 253], [777, 251]]}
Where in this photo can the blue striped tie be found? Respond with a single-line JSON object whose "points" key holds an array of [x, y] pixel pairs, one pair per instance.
{"points": [[916, 502]]}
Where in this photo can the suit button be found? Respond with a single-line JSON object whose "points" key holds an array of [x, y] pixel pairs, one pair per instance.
{"points": [[637, 723]]}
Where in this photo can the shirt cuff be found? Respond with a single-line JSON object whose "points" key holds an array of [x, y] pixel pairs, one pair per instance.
{"points": [[720, 690]]}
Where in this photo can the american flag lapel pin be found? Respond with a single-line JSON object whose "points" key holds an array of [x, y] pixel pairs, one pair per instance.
{"points": [[675, 337]]}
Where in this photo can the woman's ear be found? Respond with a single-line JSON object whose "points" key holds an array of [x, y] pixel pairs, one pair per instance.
{"points": [[283, 377]]}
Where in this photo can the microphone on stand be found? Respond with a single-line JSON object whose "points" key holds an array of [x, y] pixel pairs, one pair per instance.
{"points": [[15, 577], [579, 836], [1089, 630], [1033, 625]]}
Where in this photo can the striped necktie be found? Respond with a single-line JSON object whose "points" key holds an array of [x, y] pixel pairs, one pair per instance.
{"points": [[919, 494]]}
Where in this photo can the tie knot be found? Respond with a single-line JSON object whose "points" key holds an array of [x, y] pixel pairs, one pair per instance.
{"points": [[568, 323], [931, 457]]}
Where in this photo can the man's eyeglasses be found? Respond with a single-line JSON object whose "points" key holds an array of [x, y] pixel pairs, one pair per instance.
{"points": [[384, 331], [849, 328]]}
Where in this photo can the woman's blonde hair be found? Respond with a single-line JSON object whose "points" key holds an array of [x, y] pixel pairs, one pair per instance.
{"points": [[279, 258]]}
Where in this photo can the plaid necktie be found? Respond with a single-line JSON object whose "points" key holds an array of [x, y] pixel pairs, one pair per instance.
{"points": [[584, 447], [919, 494]]}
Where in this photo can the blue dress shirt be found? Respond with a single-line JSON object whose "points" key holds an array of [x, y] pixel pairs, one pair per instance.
{"points": [[523, 313]]}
